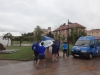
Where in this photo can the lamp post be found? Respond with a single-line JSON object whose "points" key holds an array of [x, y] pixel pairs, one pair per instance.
{"points": [[68, 38], [68, 35]]}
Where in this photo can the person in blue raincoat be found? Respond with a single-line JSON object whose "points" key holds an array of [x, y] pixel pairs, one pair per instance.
{"points": [[58, 47], [35, 47], [64, 47], [54, 51]]}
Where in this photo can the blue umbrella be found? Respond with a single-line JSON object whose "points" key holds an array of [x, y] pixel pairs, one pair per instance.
{"points": [[47, 41], [47, 38]]}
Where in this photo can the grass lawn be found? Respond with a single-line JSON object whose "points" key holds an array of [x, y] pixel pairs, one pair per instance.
{"points": [[25, 53], [24, 42]]}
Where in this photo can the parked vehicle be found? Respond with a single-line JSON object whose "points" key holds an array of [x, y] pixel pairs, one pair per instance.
{"points": [[88, 46], [2, 47]]}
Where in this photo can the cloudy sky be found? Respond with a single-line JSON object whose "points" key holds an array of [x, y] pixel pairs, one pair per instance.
{"points": [[25, 15]]}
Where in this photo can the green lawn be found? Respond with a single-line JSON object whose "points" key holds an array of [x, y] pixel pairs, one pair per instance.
{"points": [[25, 53], [24, 42]]}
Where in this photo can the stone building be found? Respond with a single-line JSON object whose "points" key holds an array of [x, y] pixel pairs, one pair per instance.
{"points": [[93, 32], [45, 31], [63, 29]]}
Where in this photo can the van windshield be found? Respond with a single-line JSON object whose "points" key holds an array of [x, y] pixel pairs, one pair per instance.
{"points": [[82, 43]]}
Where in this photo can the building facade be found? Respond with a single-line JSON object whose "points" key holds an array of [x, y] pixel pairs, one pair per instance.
{"points": [[45, 31], [62, 31], [93, 32]]}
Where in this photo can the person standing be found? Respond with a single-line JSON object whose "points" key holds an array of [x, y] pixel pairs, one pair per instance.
{"points": [[58, 47], [65, 47], [54, 51], [41, 56], [35, 49]]}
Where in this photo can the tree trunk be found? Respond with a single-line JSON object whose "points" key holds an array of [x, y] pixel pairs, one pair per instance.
{"points": [[20, 43], [8, 42]]}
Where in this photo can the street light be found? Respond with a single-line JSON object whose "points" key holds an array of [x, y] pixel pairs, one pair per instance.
{"points": [[68, 36]]}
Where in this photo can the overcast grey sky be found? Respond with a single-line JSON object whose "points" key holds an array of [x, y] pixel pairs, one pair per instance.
{"points": [[25, 15]]}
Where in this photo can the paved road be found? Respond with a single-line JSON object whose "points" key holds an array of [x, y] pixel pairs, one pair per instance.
{"points": [[67, 66]]}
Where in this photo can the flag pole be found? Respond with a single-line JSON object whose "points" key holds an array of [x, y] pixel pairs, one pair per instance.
{"points": [[68, 38]]}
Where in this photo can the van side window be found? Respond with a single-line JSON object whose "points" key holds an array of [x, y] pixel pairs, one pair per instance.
{"points": [[92, 42], [98, 42]]}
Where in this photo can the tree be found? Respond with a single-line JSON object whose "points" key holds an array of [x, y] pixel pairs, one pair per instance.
{"points": [[38, 33], [50, 35], [29, 37], [20, 39], [63, 38], [64, 24], [8, 36], [59, 36], [56, 34], [76, 32], [28, 34]]}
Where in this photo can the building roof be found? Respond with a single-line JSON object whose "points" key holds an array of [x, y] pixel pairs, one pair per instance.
{"points": [[93, 30], [13, 33], [63, 27]]}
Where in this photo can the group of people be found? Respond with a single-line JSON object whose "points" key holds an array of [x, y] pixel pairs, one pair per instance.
{"points": [[39, 51]]}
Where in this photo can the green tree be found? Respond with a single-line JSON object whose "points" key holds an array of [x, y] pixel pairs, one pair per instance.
{"points": [[38, 33], [59, 36], [56, 35], [20, 39], [63, 38], [76, 32], [64, 24], [29, 37], [50, 35], [8, 36], [28, 34]]}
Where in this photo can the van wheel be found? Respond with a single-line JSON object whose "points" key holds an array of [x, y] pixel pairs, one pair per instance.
{"points": [[90, 56]]}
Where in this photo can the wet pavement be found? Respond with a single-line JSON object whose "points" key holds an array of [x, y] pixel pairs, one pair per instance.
{"points": [[64, 66]]}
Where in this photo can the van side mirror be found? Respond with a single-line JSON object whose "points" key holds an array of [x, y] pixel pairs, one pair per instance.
{"points": [[92, 46]]}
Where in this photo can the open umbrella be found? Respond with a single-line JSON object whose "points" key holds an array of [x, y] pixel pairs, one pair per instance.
{"points": [[48, 41], [47, 38]]}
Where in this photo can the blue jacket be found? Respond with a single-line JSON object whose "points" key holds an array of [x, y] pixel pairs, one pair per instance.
{"points": [[41, 50], [35, 46], [64, 46], [54, 47]]}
